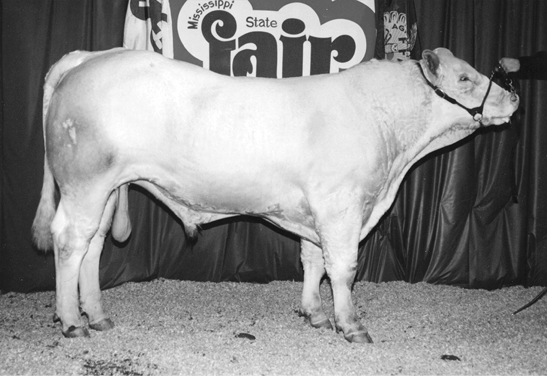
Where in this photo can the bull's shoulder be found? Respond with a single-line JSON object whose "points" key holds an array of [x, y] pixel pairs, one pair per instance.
{"points": [[391, 83]]}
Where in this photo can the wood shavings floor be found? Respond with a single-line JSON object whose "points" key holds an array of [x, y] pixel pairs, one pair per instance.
{"points": [[168, 327]]}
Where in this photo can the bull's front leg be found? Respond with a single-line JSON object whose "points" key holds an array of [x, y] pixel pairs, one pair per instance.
{"points": [[339, 230], [314, 269]]}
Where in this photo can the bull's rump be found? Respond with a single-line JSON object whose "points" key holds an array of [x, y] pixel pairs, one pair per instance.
{"points": [[234, 145]]}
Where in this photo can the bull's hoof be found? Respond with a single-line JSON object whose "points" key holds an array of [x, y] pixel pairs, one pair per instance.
{"points": [[358, 337], [325, 324], [321, 321], [104, 324], [76, 332]]}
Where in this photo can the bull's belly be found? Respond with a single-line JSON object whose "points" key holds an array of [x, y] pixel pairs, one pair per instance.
{"points": [[196, 204]]}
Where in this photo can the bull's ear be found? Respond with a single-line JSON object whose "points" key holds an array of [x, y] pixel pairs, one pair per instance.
{"points": [[432, 61]]}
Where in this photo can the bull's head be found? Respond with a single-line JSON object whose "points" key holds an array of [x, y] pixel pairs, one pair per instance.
{"points": [[457, 82]]}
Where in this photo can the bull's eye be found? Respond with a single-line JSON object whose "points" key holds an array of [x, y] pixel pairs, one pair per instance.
{"points": [[464, 78]]}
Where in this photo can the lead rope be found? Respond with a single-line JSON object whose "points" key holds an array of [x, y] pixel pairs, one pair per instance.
{"points": [[477, 116], [509, 83], [538, 297]]}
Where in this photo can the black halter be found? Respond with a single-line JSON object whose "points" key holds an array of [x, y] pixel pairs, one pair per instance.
{"points": [[475, 112]]}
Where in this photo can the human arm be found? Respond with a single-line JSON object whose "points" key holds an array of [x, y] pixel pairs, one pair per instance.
{"points": [[527, 67]]}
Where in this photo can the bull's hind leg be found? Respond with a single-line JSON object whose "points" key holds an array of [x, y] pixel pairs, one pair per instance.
{"points": [[74, 225], [314, 269], [90, 290]]}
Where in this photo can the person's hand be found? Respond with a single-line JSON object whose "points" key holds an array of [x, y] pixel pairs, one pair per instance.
{"points": [[510, 64]]}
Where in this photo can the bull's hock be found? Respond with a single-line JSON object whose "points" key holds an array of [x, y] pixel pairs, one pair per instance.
{"points": [[320, 156]]}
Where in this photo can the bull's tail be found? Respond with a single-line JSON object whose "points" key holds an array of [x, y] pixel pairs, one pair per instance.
{"points": [[41, 231], [46, 208]]}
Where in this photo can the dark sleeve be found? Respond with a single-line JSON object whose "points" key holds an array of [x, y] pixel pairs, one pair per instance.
{"points": [[532, 67]]}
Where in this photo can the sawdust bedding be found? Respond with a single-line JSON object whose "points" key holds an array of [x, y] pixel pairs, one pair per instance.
{"points": [[191, 328]]}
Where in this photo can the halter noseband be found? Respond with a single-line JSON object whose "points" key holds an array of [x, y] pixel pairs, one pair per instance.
{"points": [[475, 112]]}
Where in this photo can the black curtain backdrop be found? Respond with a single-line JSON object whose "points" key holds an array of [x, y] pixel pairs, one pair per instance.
{"points": [[473, 214]]}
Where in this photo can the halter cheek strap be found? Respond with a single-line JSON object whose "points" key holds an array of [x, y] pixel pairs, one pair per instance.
{"points": [[475, 112]]}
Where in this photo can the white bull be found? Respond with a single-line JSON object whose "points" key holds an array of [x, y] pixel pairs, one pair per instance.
{"points": [[320, 156]]}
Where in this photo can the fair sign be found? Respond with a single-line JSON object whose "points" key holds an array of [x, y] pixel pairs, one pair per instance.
{"points": [[273, 38]]}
